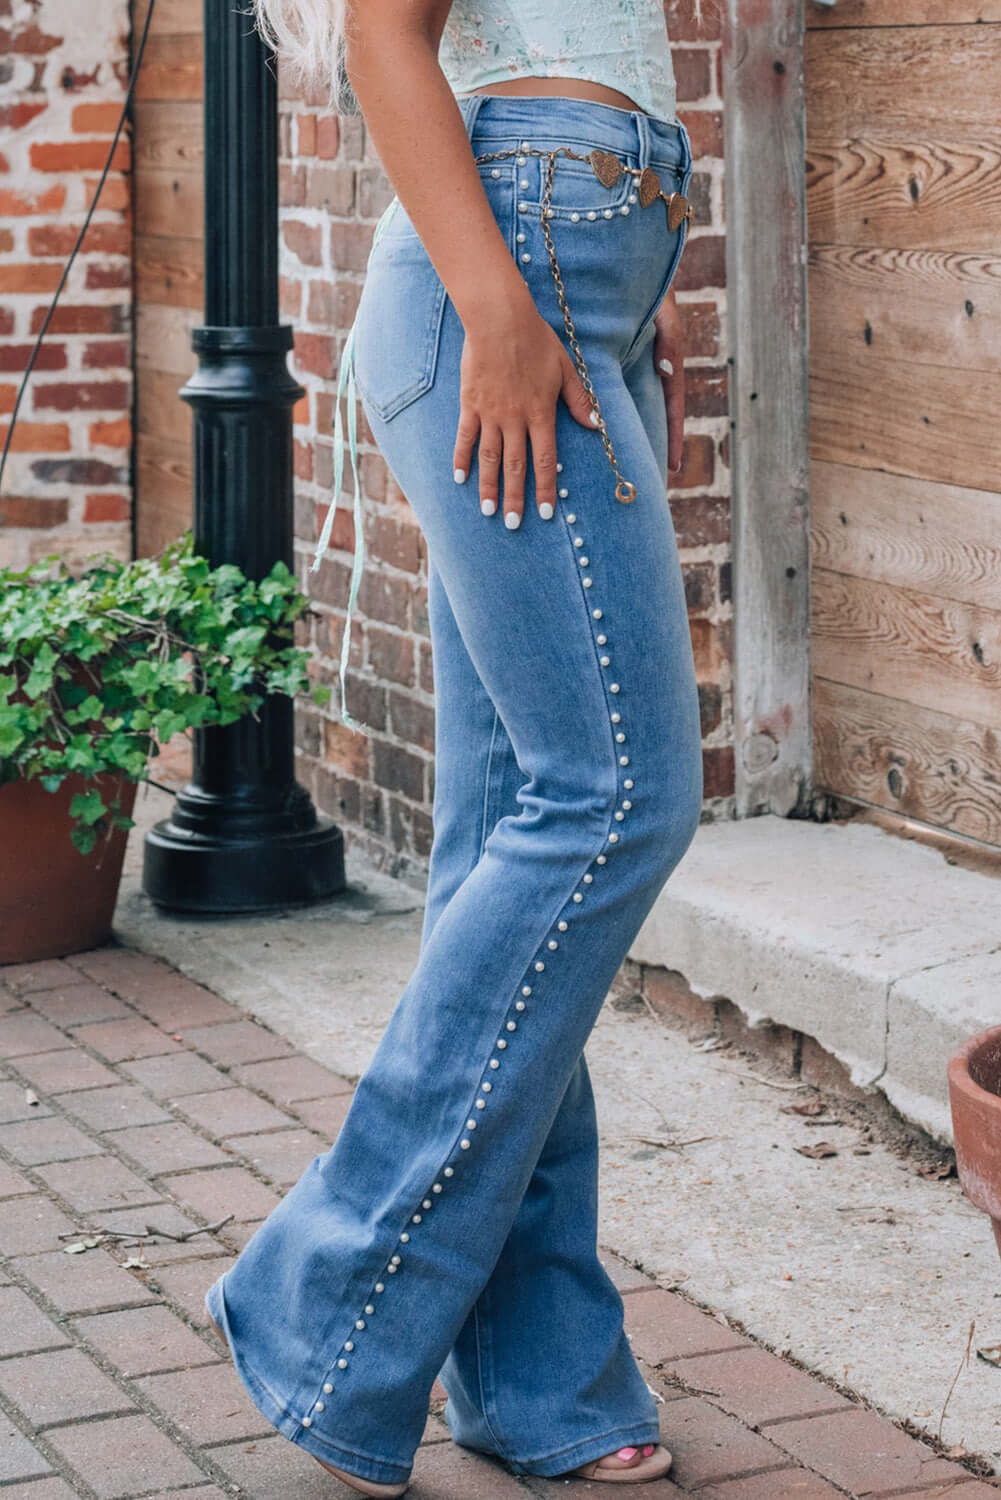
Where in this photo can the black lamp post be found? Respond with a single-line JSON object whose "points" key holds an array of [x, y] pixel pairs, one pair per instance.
{"points": [[243, 836]]}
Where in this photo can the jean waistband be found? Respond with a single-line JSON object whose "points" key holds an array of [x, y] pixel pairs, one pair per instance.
{"points": [[558, 121]]}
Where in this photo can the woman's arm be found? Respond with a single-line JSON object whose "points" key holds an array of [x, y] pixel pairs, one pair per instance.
{"points": [[514, 366]]}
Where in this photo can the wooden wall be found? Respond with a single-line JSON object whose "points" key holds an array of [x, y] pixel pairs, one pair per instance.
{"points": [[904, 273], [168, 206]]}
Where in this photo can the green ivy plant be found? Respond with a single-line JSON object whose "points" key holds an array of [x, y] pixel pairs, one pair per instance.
{"points": [[97, 671]]}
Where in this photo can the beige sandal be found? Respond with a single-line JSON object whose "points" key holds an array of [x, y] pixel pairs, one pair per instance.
{"points": [[618, 1467], [353, 1481]]}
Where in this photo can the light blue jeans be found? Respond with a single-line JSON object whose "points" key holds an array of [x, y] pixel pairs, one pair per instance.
{"points": [[452, 1226]]}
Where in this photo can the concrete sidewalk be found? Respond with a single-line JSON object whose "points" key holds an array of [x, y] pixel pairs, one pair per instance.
{"points": [[153, 1123]]}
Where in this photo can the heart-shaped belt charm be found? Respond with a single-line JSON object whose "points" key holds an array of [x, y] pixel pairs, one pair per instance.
{"points": [[608, 169]]}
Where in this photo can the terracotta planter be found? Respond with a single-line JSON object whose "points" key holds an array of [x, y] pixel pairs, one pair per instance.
{"points": [[53, 899], [975, 1097]]}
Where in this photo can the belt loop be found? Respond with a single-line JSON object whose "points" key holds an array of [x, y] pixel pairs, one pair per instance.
{"points": [[643, 138], [470, 107]]}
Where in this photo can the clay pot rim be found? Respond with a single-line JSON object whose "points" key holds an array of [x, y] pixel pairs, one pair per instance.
{"points": [[960, 1079]]}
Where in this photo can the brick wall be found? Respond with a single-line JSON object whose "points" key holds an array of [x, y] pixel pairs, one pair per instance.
{"points": [[63, 66], [378, 784]]}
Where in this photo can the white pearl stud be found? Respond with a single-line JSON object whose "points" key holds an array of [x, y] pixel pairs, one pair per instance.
{"points": [[613, 687], [464, 1144], [307, 1421], [577, 896], [575, 218], [328, 1387], [318, 1406]]}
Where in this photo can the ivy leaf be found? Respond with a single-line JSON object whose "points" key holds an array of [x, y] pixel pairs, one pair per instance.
{"points": [[88, 807]]}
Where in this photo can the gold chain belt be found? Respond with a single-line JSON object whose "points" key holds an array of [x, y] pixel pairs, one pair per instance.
{"points": [[608, 169]]}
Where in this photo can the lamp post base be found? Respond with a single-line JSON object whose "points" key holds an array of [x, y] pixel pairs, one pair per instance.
{"points": [[195, 872]]}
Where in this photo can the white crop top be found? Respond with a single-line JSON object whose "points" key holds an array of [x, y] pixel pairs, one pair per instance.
{"points": [[621, 43]]}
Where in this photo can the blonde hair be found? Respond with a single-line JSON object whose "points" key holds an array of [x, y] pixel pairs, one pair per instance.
{"points": [[308, 38]]}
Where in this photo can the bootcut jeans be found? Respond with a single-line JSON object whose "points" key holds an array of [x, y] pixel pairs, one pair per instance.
{"points": [[451, 1228]]}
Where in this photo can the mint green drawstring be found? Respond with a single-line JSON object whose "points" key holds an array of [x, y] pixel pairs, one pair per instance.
{"points": [[346, 387]]}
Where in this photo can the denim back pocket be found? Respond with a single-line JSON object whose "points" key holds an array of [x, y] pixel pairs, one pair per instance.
{"points": [[398, 324], [579, 195]]}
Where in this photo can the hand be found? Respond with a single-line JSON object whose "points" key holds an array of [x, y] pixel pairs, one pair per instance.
{"points": [[514, 369], [669, 358]]}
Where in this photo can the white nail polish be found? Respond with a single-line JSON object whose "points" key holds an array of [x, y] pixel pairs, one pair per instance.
{"points": [[459, 475], [488, 507], [546, 511], [593, 418], [512, 519], [666, 366]]}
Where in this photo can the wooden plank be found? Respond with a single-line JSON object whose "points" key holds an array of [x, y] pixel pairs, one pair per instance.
{"points": [[909, 760], [884, 414], [927, 307], [171, 16], [936, 653], [904, 84], [169, 204], [163, 473], [872, 13], [916, 194], [172, 68], [168, 135], [937, 538], [163, 339], [766, 277], [160, 412], [169, 271]]}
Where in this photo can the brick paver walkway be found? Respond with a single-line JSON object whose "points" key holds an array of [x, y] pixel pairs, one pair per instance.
{"points": [[158, 1104]]}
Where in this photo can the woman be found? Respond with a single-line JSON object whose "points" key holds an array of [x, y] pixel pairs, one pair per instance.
{"points": [[518, 355]]}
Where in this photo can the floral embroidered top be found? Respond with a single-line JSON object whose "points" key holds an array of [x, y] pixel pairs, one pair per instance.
{"points": [[621, 43]]}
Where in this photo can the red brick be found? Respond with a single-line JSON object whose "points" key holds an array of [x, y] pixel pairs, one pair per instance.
{"points": [[305, 241], [104, 508], [59, 1072], [99, 275], [39, 276], [305, 135], [81, 319], [25, 1033], [38, 437], [96, 119], [61, 1386], [83, 1283], [14, 1104], [331, 188], [862, 1452], [77, 156], [169, 1147], [18, 205], [111, 1108], [785, 1484], [75, 1004], [664, 1326], [59, 239], [207, 1406], [105, 355], [718, 771], [238, 1042], [281, 1155], [669, 994], [756, 1386], [316, 354], [114, 434], [700, 520], [128, 1038], [18, 1459], [327, 137], [31, 1224], [23, 1326], [16, 116], [98, 1182], [50, 1139], [222, 1190], [291, 1078], [625, 1276], [169, 1077], [188, 1281], [144, 1340], [123, 1456], [449, 1472], [82, 395], [14, 357], [709, 1445], [325, 1116], [230, 1112], [176, 1003], [36, 511]]}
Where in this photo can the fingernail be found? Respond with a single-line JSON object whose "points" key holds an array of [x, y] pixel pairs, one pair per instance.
{"points": [[546, 511], [593, 418], [459, 475], [647, 1450], [666, 366], [626, 1453], [512, 519], [488, 507]]}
